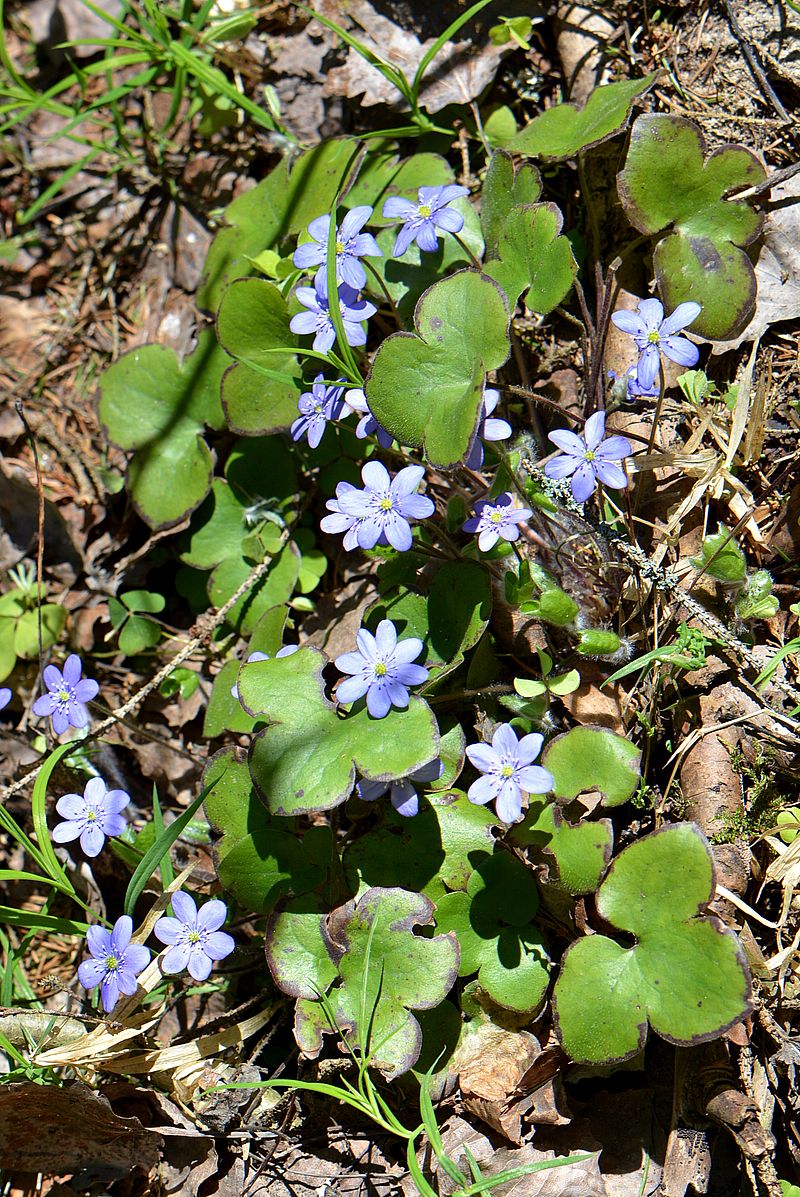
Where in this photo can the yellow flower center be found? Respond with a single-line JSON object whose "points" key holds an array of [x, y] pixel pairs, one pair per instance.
{"points": [[193, 937], [317, 409], [589, 455], [63, 695], [385, 503], [654, 336], [424, 209], [507, 771], [112, 964], [496, 517], [91, 815], [340, 247], [380, 669]]}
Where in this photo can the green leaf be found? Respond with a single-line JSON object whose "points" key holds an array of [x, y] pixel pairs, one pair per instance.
{"points": [[721, 558], [441, 846], [306, 760], [685, 976], [257, 861], [279, 206], [564, 130], [576, 854], [503, 190], [138, 635], [593, 758], [532, 254], [259, 393], [386, 971], [157, 408], [757, 601], [427, 389], [669, 186], [297, 951], [450, 620], [26, 630], [498, 940]]}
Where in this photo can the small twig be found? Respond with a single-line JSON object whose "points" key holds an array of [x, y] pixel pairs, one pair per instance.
{"points": [[202, 636]]}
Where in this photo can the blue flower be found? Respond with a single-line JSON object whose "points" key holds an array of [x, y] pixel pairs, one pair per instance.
{"points": [[93, 815], [356, 400], [194, 937], [589, 458], [5, 697], [653, 335], [115, 962], [351, 244], [508, 772], [495, 520], [67, 694], [423, 220], [489, 429], [318, 320], [402, 794], [384, 507], [629, 379], [317, 406], [381, 669]]}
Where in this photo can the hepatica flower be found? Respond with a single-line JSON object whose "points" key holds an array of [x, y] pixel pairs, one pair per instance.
{"points": [[627, 386], [194, 936], [497, 520], [489, 429], [654, 335], [508, 772], [5, 697], [317, 406], [423, 221], [67, 694], [384, 508], [590, 458], [115, 962], [402, 794], [381, 669], [317, 319], [351, 244], [91, 816]]}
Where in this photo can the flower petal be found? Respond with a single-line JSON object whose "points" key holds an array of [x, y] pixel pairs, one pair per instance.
{"points": [[375, 476], [213, 914], [594, 429], [91, 973], [509, 802], [398, 532], [483, 757], [647, 369], [352, 688], [92, 839], [175, 958], [568, 442], [385, 638], [448, 219], [121, 934], [73, 668], [167, 929], [137, 957], [614, 448], [404, 799], [535, 780], [610, 474], [98, 941], [505, 742], [684, 314], [354, 221], [529, 748], [199, 964], [425, 236], [407, 649], [630, 323], [403, 240], [367, 646], [584, 482], [411, 675], [71, 806], [407, 480], [370, 791], [218, 945], [65, 833], [483, 790], [378, 700], [109, 990], [652, 313], [398, 208], [679, 350], [184, 908], [561, 467]]}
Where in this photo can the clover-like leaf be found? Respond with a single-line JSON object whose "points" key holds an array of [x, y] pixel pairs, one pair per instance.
{"points": [[440, 847], [593, 758], [532, 254], [259, 392], [128, 616], [505, 188], [281, 204], [576, 854], [224, 712], [257, 861], [308, 756], [426, 388], [669, 185], [156, 407], [685, 976], [498, 940], [564, 130], [386, 971]]}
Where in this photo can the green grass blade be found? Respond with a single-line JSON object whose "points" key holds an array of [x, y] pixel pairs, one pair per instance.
{"points": [[41, 922], [417, 1175], [153, 857], [52, 864], [428, 1116], [167, 871], [386, 68], [502, 1178]]}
